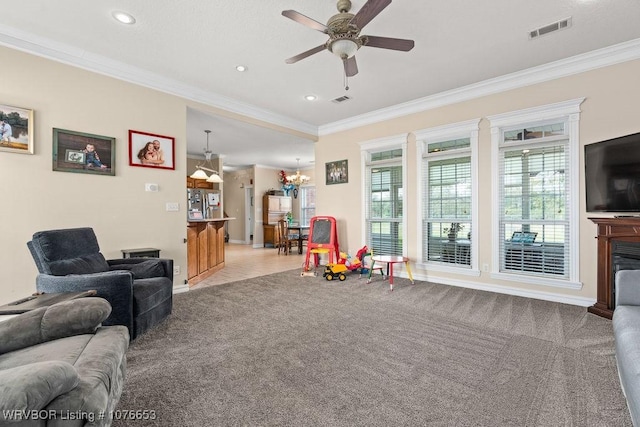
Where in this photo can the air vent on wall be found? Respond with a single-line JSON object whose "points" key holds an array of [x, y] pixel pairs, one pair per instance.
{"points": [[556, 26], [341, 99]]}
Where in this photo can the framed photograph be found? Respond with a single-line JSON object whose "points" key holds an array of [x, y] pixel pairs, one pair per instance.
{"points": [[83, 152], [337, 172], [16, 129], [151, 151]]}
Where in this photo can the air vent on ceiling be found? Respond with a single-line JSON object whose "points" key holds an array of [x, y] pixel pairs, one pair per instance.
{"points": [[556, 26], [341, 99]]}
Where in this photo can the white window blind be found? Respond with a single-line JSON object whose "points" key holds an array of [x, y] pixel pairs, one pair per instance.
{"points": [[384, 202], [447, 213], [534, 165], [307, 204]]}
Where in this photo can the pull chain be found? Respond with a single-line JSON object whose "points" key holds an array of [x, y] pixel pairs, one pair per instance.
{"points": [[345, 79]]}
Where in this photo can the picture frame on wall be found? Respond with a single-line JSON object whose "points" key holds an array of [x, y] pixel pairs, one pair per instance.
{"points": [[337, 172], [82, 152], [16, 129], [151, 150]]}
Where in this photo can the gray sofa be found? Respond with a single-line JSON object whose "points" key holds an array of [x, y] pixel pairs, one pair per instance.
{"points": [[59, 366], [626, 329]]}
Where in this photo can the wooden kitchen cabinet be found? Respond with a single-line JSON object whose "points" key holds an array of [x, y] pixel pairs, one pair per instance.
{"points": [[274, 208], [205, 249]]}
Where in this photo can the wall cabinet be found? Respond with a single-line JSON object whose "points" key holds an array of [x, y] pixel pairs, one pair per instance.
{"points": [[274, 208], [199, 183], [205, 249]]}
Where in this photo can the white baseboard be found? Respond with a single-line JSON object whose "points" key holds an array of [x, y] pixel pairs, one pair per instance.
{"points": [[507, 290], [180, 289]]}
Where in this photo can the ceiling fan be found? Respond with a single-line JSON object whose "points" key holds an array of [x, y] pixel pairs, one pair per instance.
{"points": [[344, 29]]}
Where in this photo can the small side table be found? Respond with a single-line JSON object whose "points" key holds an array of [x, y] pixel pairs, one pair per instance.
{"points": [[141, 252], [390, 260]]}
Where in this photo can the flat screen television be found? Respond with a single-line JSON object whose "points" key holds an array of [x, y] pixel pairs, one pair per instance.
{"points": [[612, 174]]}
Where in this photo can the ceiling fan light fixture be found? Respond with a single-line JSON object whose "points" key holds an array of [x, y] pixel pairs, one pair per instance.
{"points": [[344, 48]]}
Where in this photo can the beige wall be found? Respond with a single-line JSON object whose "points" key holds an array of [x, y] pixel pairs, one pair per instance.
{"points": [[123, 215], [33, 197], [610, 109]]}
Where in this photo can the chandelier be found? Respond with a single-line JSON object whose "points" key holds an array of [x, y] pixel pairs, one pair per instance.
{"points": [[201, 168], [298, 179]]}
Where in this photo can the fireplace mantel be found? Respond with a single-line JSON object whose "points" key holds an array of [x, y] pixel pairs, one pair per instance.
{"points": [[626, 229]]}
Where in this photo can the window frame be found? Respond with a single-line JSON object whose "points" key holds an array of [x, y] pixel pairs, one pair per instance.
{"points": [[375, 146], [302, 196], [569, 113], [424, 137]]}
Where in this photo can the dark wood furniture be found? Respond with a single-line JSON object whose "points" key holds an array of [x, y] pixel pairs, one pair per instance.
{"points": [[611, 230], [274, 208]]}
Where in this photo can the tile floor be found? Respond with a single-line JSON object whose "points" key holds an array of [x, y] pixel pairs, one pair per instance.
{"points": [[244, 262]]}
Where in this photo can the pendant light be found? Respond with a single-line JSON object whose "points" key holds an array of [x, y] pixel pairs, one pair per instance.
{"points": [[201, 168]]}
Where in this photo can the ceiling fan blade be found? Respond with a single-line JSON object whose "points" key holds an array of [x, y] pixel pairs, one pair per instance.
{"points": [[305, 20], [350, 66], [370, 10], [303, 55], [389, 43]]}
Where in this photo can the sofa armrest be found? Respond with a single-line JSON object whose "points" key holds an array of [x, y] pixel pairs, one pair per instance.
{"points": [[627, 283], [31, 387], [64, 319], [114, 286], [167, 264]]}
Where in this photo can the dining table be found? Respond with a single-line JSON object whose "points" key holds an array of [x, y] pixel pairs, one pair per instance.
{"points": [[302, 231]]}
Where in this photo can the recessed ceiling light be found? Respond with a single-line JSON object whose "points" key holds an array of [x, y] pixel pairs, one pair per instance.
{"points": [[310, 97], [124, 17], [241, 68]]}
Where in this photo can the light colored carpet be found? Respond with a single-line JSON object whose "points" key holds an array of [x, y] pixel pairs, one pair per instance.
{"points": [[287, 350]]}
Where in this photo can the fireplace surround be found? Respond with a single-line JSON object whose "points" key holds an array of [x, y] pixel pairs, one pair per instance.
{"points": [[618, 249]]}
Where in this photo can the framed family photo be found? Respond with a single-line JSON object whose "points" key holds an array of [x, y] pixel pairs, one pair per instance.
{"points": [[337, 172], [16, 129], [83, 152], [151, 150]]}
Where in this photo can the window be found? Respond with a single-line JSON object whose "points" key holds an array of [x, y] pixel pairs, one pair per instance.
{"points": [[384, 207], [448, 184], [536, 183], [307, 204]]}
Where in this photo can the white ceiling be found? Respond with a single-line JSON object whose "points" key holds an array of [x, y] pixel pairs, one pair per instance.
{"points": [[191, 48]]}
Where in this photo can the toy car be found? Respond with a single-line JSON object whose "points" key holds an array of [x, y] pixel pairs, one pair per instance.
{"points": [[332, 271]]}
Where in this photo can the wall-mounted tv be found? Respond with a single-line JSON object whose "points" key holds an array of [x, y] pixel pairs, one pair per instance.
{"points": [[612, 174]]}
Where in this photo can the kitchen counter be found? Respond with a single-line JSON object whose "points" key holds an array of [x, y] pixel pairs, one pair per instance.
{"points": [[205, 248]]}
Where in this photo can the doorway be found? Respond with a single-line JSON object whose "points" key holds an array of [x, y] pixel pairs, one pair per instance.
{"points": [[249, 214]]}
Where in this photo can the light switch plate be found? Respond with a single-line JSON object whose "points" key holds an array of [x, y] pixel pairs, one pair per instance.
{"points": [[172, 206]]}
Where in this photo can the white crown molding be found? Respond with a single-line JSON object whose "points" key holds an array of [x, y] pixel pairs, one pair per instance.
{"points": [[39, 46], [66, 54], [611, 55]]}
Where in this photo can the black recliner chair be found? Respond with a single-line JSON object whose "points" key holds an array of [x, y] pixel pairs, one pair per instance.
{"points": [[140, 290]]}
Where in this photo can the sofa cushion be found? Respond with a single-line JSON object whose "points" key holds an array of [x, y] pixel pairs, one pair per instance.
{"points": [[33, 386], [142, 270], [85, 264], [626, 327], [148, 293]]}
